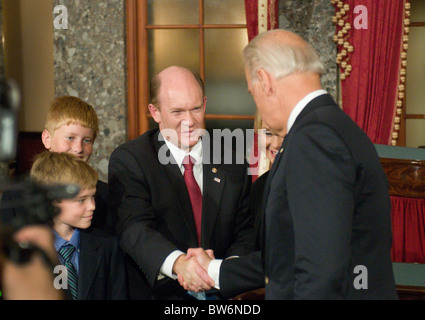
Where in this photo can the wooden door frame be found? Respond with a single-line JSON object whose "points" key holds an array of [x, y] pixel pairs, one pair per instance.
{"points": [[137, 61], [137, 86]]}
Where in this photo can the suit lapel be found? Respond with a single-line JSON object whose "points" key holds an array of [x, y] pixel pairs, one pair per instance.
{"points": [[214, 181], [273, 170], [90, 258]]}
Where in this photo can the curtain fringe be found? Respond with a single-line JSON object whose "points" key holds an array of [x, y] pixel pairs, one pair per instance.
{"points": [[402, 76], [341, 37]]}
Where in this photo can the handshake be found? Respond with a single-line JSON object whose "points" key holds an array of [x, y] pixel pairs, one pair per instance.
{"points": [[192, 270]]}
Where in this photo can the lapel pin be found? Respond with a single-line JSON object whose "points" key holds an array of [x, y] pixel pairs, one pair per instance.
{"points": [[217, 180], [281, 150], [214, 170]]}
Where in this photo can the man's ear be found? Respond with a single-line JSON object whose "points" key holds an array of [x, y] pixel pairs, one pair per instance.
{"points": [[265, 81], [46, 139], [155, 113]]}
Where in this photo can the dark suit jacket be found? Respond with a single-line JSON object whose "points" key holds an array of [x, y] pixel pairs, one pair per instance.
{"points": [[11, 206], [155, 215], [327, 211], [102, 274]]}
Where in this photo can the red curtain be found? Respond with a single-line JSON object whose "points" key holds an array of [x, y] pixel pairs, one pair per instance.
{"points": [[408, 219], [370, 42], [261, 15], [371, 37], [264, 12]]}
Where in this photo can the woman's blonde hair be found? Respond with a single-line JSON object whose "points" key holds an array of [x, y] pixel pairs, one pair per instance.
{"points": [[52, 168]]}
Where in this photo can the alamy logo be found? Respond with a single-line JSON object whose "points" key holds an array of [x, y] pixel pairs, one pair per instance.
{"points": [[61, 20], [360, 21], [60, 281], [360, 281], [233, 146]]}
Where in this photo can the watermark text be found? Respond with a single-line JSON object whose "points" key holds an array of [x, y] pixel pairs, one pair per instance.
{"points": [[61, 18]]}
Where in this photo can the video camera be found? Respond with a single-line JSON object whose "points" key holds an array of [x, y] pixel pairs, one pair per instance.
{"points": [[36, 207]]}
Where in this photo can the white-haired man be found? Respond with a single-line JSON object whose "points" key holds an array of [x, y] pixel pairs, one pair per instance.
{"points": [[327, 207]]}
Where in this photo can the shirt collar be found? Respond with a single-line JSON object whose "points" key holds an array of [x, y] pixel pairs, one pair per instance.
{"points": [[60, 242], [179, 154], [301, 105]]}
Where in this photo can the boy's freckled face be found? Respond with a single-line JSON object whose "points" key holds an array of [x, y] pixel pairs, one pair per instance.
{"points": [[77, 212], [72, 138]]}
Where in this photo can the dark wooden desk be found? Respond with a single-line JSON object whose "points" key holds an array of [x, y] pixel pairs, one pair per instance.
{"points": [[406, 178]]}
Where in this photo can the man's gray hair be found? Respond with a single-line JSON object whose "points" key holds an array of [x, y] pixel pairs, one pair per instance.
{"points": [[280, 59]]}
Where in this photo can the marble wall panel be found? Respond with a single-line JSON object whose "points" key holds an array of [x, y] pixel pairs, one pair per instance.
{"points": [[312, 20], [90, 64]]}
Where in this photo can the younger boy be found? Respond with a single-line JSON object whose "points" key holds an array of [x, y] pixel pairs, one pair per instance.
{"points": [[96, 265], [71, 126]]}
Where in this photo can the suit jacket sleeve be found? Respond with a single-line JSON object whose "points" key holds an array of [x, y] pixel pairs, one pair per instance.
{"points": [[243, 230], [239, 275], [130, 202]]}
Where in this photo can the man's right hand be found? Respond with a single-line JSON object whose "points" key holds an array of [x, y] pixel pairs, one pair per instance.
{"points": [[192, 274], [202, 258]]}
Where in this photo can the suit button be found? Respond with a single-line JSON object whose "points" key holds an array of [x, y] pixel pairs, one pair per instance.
{"points": [[266, 280]]}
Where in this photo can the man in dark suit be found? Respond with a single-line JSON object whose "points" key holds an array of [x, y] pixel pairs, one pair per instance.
{"points": [[327, 207], [157, 223]]}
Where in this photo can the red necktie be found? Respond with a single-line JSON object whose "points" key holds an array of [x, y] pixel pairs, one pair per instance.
{"points": [[194, 194]]}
